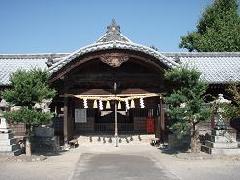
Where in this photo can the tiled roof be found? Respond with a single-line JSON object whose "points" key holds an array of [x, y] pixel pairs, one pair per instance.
{"points": [[11, 63], [112, 45], [216, 67], [112, 39]]}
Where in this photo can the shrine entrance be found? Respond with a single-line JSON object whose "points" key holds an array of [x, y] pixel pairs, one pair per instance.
{"points": [[100, 115], [133, 121], [112, 86], [105, 122]]}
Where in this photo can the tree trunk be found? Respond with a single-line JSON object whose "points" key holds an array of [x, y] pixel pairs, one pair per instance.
{"points": [[194, 140], [28, 148]]}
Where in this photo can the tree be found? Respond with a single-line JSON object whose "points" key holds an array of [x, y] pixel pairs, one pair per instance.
{"points": [[217, 30], [233, 110], [28, 89], [186, 106]]}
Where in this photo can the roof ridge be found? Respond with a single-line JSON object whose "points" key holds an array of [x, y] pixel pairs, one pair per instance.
{"points": [[112, 45], [32, 56], [203, 54]]}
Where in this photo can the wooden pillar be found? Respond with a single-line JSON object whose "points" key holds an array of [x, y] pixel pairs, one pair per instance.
{"points": [[70, 118], [162, 121], [158, 122], [65, 121]]}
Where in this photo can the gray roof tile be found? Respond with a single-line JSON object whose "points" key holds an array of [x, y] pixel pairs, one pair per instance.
{"points": [[11, 63], [215, 67]]}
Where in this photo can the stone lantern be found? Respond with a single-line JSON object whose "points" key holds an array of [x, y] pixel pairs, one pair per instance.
{"points": [[218, 119], [221, 141], [3, 123], [8, 145]]}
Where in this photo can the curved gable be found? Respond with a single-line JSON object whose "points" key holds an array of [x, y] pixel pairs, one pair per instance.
{"points": [[113, 40]]}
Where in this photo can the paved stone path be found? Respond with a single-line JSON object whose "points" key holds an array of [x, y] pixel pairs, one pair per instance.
{"points": [[119, 166], [127, 162]]}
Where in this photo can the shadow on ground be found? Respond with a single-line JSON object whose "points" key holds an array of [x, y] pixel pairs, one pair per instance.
{"points": [[164, 149]]}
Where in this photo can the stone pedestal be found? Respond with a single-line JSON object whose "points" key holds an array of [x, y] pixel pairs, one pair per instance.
{"points": [[175, 143], [8, 144], [44, 140], [221, 143], [3, 125]]}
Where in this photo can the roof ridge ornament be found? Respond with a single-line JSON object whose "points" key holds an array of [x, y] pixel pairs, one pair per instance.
{"points": [[113, 34], [114, 59], [113, 28]]}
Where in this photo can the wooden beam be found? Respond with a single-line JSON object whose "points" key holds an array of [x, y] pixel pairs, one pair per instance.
{"points": [[65, 121], [162, 121]]}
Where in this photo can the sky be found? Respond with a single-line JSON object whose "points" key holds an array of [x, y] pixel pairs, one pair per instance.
{"points": [[58, 26]]}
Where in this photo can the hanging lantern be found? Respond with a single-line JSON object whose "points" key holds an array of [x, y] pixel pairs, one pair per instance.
{"points": [[142, 103], [127, 104], [132, 104], [85, 103], [108, 105], [95, 104], [119, 105], [100, 105]]}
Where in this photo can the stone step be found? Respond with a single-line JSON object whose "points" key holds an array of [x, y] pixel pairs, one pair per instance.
{"points": [[6, 148], [5, 136], [220, 151], [233, 151], [111, 139], [7, 141], [17, 152], [221, 144], [221, 139]]}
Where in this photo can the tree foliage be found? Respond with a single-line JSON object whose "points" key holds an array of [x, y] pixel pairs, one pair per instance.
{"points": [[186, 106], [217, 30], [30, 117], [28, 88], [233, 110]]}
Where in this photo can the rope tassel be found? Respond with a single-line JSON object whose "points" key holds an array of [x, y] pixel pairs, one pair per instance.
{"points": [[108, 105], [95, 104], [119, 105], [132, 104]]}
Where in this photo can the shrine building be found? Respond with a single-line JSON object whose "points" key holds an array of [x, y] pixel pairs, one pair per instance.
{"points": [[115, 84]]}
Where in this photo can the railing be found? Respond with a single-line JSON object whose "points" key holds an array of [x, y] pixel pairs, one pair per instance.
{"points": [[109, 127]]}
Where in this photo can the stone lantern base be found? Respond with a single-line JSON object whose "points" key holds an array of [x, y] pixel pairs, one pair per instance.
{"points": [[221, 143], [8, 144]]}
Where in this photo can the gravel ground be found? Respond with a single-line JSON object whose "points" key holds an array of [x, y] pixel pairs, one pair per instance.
{"points": [[144, 159]]}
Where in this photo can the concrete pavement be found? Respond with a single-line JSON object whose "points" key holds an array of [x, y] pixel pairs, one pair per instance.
{"points": [[119, 167], [125, 162]]}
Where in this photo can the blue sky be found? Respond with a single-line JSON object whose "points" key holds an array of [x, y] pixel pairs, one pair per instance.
{"points": [[43, 26]]}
